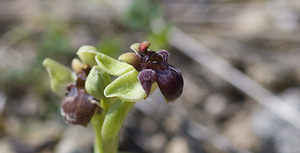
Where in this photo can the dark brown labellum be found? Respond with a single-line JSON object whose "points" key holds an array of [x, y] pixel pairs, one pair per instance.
{"points": [[76, 107], [170, 82]]}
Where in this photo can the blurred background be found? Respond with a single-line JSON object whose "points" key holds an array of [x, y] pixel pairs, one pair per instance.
{"points": [[210, 41]]}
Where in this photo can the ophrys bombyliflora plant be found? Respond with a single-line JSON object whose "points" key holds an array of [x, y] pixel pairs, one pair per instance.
{"points": [[89, 94]]}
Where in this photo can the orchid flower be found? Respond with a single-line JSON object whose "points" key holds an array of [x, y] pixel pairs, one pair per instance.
{"points": [[154, 67]]}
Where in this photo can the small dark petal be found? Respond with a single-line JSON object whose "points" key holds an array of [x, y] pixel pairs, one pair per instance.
{"points": [[170, 82], [164, 54], [146, 78], [76, 107], [78, 66]]}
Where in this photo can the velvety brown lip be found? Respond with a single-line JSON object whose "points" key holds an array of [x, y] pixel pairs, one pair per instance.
{"points": [[76, 107]]}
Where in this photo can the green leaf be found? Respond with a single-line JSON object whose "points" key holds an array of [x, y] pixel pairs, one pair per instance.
{"points": [[87, 55], [96, 81], [59, 75], [112, 66], [126, 87]]}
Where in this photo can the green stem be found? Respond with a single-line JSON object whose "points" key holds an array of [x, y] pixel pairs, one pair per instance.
{"points": [[97, 122], [112, 124], [108, 123]]}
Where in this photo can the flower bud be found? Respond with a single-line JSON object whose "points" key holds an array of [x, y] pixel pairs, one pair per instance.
{"points": [[76, 107], [96, 82], [78, 66]]}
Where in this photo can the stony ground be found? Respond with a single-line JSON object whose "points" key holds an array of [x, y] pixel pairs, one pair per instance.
{"points": [[259, 38]]}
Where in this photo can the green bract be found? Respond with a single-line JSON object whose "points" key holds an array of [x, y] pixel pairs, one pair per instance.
{"points": [[87, 55], [96, 82], [112, 66], [59, 75], [127, 87]]}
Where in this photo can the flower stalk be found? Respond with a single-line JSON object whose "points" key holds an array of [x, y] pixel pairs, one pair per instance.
{"points": [[97, 122]]}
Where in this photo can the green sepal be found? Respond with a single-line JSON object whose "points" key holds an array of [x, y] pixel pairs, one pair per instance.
{"points": [[112, 66], [59, 76], [96, 81], [87, 54], [127, 87]]}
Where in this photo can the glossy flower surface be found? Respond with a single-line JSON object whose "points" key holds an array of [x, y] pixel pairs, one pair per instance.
{"points": [[153, 67]]}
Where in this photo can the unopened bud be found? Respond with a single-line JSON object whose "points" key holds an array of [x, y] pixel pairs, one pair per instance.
{"points": [[78, 66]]}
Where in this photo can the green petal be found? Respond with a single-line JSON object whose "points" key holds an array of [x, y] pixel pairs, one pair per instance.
{"points": [[112, 66], [126, 87], [87, 55], [59, 75], [96, 81]]}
